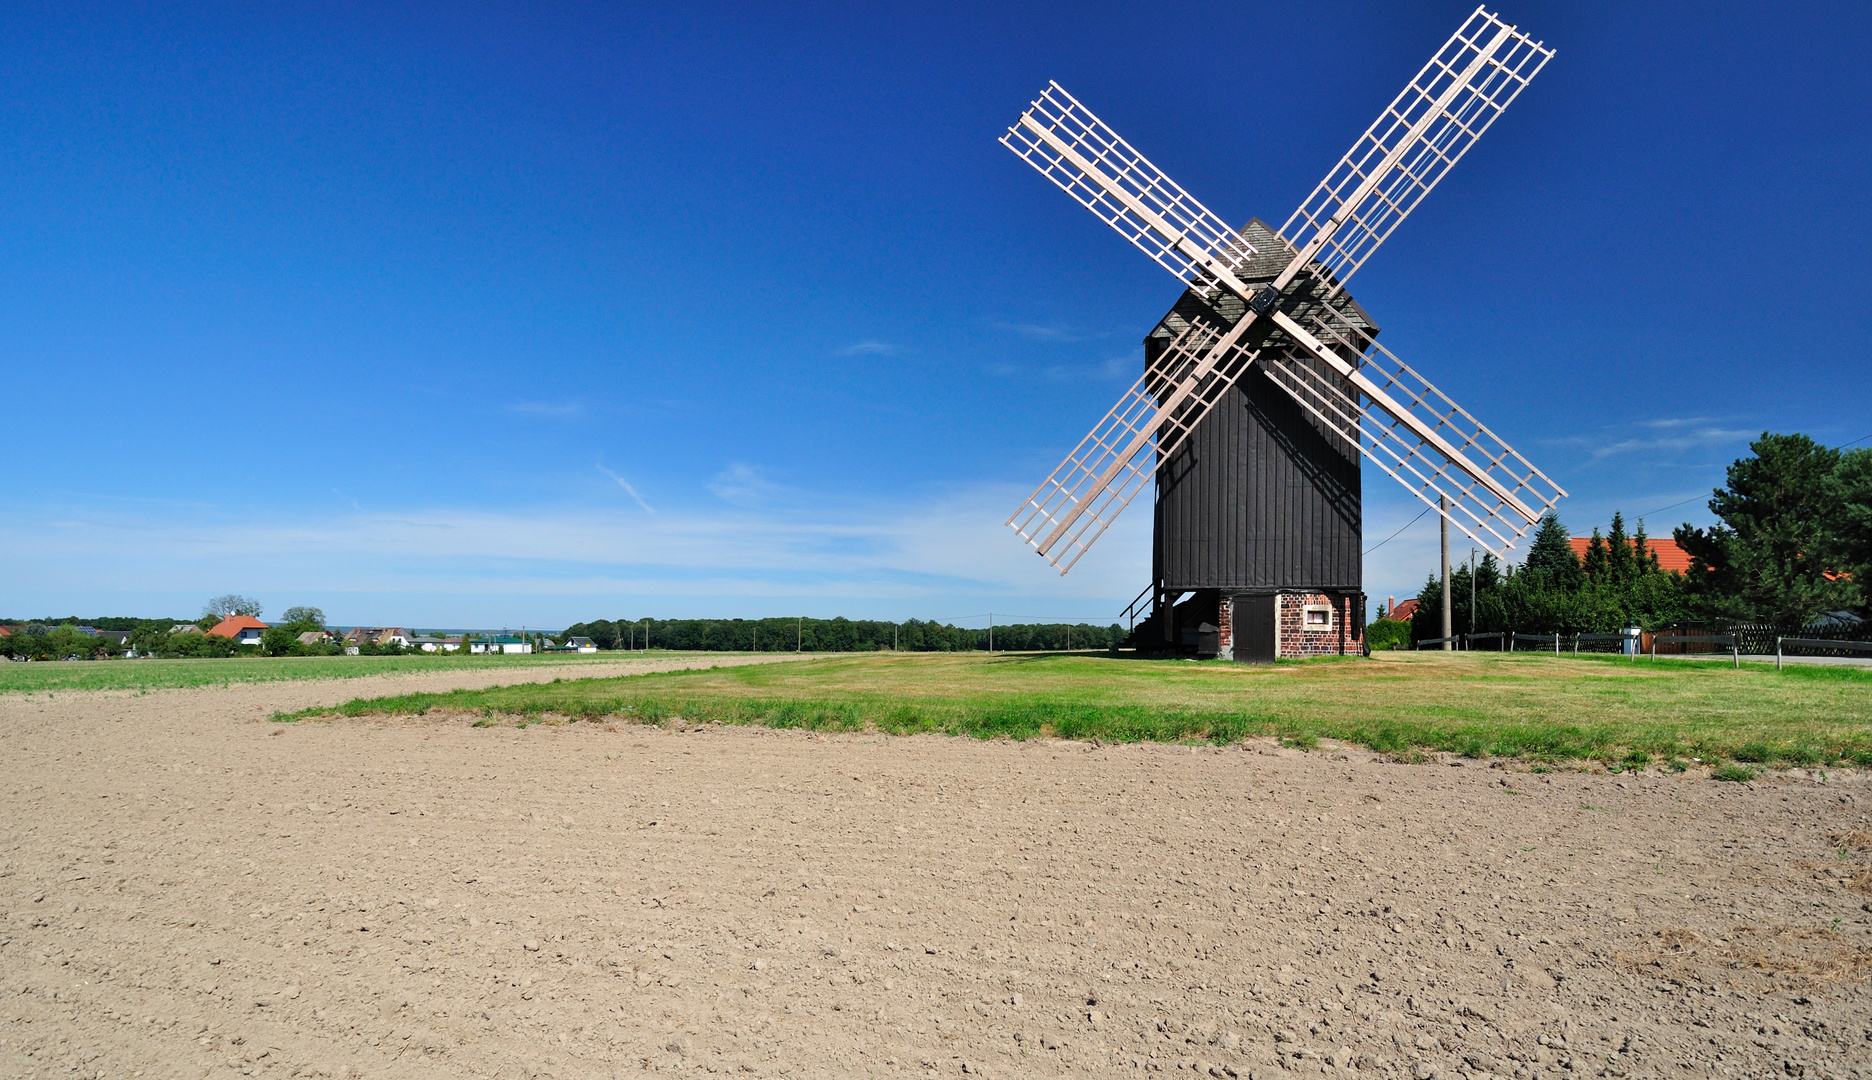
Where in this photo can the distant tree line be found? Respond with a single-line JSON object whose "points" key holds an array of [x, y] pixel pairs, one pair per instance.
{"points": [[1793, 544], [106, 622], [838, 635], [61, 639]]}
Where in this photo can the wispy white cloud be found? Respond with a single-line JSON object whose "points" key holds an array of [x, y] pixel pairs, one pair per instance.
{"points": [[626, 485], [744, 485], [1690, 439], [546, 408], [941, 554], [1661, 435], [869, 348], [1117, 367], [1043, 332]]}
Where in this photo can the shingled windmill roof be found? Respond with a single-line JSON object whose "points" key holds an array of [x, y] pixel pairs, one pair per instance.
{"points": [[1301, 300]]}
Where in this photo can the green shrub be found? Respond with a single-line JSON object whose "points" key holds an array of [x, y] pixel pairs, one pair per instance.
{"points": [[1388, 634], [1738, 774]]}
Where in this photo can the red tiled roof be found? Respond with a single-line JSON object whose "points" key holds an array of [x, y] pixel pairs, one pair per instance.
{"points": [[1404, 610], [1670, 557], [231, 627]]}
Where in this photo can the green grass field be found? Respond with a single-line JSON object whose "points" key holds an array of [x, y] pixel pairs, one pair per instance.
{"points": [[1540, 708], [179, 674]]}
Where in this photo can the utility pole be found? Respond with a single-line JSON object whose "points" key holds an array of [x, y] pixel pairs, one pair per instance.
{"points": [[1443, 520], [893, 637], [991, 633], [799, 632]]}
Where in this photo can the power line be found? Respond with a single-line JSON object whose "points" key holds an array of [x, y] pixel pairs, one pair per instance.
{"points": [[1397, 534], [1694, 498], [1672, 506]]}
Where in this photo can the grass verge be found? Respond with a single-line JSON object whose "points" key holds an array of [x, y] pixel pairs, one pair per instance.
{"points": [[1539, 708], [182, 674]]}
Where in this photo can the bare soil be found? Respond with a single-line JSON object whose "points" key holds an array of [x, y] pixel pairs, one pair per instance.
{"points": [[188, 890]]}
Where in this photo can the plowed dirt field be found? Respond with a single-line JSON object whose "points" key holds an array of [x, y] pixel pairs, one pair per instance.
{"points": [[189, 890]]}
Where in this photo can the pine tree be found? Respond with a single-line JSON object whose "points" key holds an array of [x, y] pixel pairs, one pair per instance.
{"points": [[1597, 562], [1550, 554], [1644, 558], [1618, 551]]}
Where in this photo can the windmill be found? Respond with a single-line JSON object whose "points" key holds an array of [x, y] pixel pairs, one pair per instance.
{"points": [[1264, 386]]}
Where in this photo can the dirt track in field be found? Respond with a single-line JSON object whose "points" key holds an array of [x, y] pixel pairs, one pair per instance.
{"points": [[187, 890]]}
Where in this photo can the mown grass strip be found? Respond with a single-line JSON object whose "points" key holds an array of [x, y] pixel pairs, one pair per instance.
{"points": [[1532, 708], [146, 674]]}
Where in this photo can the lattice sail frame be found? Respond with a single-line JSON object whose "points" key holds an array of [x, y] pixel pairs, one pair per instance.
{"points": [[1461, 91], [1076, 150], [1494, 494], [1408, 427], [1114, 462]]}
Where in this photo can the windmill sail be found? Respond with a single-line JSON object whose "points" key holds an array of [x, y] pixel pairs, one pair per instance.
{"points": [[1076, 150], [1440, 113], [1413, 431], [1425, 130]]}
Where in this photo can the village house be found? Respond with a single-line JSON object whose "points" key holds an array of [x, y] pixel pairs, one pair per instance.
{"points": [[243, 629]]}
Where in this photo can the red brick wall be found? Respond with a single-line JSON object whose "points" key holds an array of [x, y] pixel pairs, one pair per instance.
{"points": [[1344, 637], [1296, 640]]}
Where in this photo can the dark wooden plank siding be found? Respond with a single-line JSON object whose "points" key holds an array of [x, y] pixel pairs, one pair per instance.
{"points": [[1259, 497]]}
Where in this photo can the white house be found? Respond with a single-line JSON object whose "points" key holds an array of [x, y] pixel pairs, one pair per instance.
{"points": [[244, 629]]}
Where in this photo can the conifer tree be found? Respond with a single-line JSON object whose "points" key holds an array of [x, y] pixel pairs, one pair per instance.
{"points": [[1644, 556], [1596, 563], [1618, 551], [1550, 554]]}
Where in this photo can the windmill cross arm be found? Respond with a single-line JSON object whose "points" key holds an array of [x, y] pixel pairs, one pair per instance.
{"points": [[1171, 234], [1436, 110], [1209, 356], [1430, 125], [1376, 394], [1080, 153]]}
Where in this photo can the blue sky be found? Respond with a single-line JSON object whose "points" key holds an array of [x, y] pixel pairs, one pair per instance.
{"points": [[502, 315]]}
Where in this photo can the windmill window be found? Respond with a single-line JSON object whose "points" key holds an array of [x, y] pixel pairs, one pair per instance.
{"points": [[1317, 617]]}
